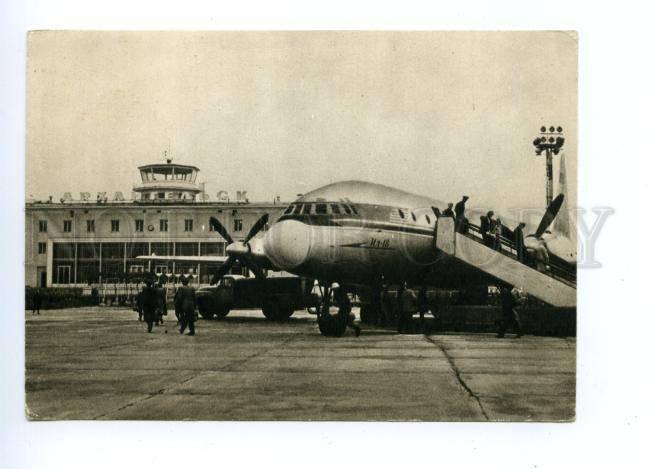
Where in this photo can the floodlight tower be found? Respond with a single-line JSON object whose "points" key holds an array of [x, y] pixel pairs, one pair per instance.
{"points": [[550, 141]]}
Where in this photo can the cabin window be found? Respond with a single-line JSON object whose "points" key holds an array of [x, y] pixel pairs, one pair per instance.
{"points": [[298, 208], [307, 209], [413, 216], [346, 209], [427, 217], [353, 209], [335, 208], [289, 210], [320, 209], [400, 212]]}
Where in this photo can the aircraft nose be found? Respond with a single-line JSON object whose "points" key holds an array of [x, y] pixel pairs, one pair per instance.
{"points": [[288, 244]]}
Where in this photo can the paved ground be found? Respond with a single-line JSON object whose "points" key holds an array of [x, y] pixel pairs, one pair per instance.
{"points": [[99, 363]]}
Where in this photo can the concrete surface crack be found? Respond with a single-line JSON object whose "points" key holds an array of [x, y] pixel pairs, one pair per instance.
{"points": [[148, 396], [458, 375], [253, 356]]}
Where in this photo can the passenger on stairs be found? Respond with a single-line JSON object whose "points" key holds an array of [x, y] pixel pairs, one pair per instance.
{"points": [[448, 212], [518, 242], [461, 222], [485, 227]]}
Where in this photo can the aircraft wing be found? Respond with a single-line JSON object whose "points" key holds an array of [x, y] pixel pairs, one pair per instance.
{"points": [[197, 259]]}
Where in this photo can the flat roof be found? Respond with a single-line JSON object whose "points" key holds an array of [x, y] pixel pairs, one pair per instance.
{"points": [[168, 167]]}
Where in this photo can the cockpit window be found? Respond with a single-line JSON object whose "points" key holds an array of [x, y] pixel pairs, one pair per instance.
{"points": [[346, 209], [320, 209], [335, 208], [307, 209], [353, 209], [289, 210], [298, 208]]}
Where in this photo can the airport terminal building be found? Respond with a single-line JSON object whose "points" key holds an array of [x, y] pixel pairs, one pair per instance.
{"points": [[86, 240]]}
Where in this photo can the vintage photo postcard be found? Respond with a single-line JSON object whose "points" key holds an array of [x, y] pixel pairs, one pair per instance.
{"points": [[299, 226]]}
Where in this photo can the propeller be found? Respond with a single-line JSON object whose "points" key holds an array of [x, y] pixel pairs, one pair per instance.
{"points": [[238, 250], [256, 228], [217, 226], [549, 215]]}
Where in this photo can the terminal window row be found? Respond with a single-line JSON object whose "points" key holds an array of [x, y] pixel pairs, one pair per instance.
{"points": [[139, 225]]}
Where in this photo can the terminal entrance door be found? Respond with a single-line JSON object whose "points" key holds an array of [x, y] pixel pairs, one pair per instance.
{"points": [[63, 274]]}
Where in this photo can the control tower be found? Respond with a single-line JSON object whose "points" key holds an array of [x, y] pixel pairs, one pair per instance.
{"points": [[168, 182]]}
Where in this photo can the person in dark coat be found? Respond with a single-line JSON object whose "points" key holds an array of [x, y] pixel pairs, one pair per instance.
{"points": [[138, 306], [486, 227], [509, 312], [185, 306], [37, 301], [149, 301], [407, 306], [518, 242], [460, 211], [162, 304]]}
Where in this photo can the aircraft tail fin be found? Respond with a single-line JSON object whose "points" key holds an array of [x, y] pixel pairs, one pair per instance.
{"points": [[562, 225]]}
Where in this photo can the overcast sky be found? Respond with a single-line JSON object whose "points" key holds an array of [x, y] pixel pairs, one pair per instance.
{"points": [[439, 114]]}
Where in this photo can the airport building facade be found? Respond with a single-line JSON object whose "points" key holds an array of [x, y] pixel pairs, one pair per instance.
{"points": [[84, 241]]}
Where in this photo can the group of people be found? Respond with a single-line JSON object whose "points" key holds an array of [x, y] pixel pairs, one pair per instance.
{"points": [[151, 304], [493, 231], [409, 304]]}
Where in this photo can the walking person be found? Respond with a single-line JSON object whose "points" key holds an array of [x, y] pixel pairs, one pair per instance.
{"points": [[149, 301], [161, 303], [407, 306], [510, 298], [185, 303], [37, 300], [138, 306]]}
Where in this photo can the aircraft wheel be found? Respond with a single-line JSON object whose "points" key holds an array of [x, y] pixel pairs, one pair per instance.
{"points": [[221, 313]]}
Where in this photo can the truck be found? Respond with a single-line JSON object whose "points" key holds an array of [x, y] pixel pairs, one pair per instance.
{"points": [[277, 297]]}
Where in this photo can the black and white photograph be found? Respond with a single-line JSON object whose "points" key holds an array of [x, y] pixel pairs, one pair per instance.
{"points": [[301, 226]]}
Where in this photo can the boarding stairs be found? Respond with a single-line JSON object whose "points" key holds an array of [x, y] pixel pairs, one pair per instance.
{"points": [[555, 286]]}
